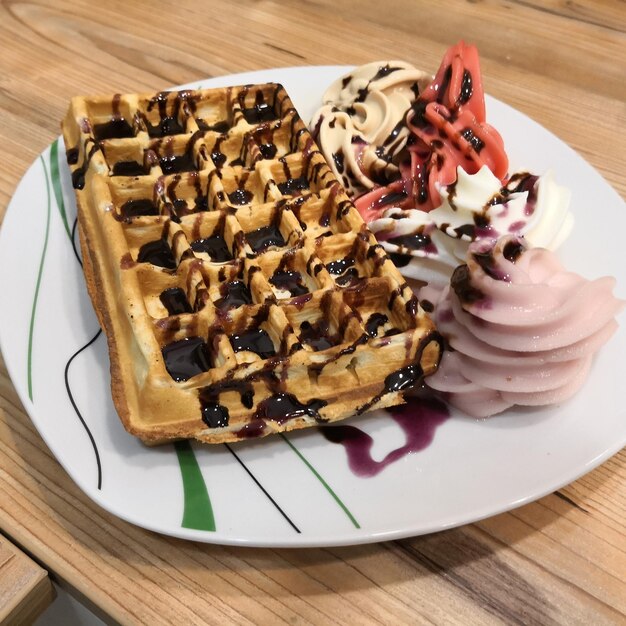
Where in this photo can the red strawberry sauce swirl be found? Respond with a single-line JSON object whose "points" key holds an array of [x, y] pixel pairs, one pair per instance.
{"points": [[448, 129]]}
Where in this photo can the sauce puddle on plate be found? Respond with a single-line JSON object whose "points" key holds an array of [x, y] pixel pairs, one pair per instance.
{"points": [[418, 418]]}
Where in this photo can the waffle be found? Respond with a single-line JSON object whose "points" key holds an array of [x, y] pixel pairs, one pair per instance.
{"points": [[239, 289]]}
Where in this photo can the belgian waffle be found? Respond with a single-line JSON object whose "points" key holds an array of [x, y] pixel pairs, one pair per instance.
{"points": [[239, 289]]}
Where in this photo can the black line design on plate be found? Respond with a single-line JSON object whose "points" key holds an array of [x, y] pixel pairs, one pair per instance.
{"points": [[58, 193], [260, 486], [74, 246], [80, 417]]}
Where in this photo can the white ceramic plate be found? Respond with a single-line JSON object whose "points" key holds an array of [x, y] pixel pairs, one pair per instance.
{"points": [[296, 490]]}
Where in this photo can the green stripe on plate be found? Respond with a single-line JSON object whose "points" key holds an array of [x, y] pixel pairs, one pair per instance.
{"points": [[197, 511], [326, 486], [56, 184], [29, 360]]}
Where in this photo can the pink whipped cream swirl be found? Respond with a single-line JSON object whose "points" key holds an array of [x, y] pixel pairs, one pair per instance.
{"points": [[521, 329]]}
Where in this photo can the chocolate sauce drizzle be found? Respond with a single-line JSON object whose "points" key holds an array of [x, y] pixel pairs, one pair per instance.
{"points": [[265, 237], [175, 301], [217, 127], [78, 175], [460, 282], [414, 241], [214, 415], [186, 358], [400, 260], [176, 163], [513, 250], [339, 266], [169, 123], [408, 376], [129, 168], [157, 253], [233, 294], [282, 407], [374, 322], [349, 278], [293, 186], [115, 128], [240, 196], [289, 280], [215, 246], [317, 335], [260, 112], [254, 340], [135, 208]]}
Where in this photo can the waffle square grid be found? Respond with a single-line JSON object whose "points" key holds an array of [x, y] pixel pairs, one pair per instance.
{"points": [[240, 291]]}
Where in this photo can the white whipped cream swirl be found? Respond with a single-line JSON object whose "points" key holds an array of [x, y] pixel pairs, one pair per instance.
{"points": [[476, 207]]}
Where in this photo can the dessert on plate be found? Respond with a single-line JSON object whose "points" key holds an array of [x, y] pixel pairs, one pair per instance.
{"points": [[432, 181], [238, 273], [240, 290], [432, 177], [521, 329]]}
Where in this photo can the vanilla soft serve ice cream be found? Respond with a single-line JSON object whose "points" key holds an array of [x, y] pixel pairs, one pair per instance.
{"points": [[360, 125]]}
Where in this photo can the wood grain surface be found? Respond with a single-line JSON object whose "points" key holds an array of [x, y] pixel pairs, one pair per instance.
{"points": [[25, 589], [559, 560]]}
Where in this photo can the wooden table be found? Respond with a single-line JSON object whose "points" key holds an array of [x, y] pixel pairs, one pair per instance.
{"points": [[25, 588], [561, 559]]}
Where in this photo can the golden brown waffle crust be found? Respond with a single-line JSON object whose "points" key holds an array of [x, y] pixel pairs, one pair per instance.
{"points": [[373, 340]]}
